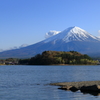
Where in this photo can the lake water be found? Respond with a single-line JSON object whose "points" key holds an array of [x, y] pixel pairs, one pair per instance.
{"points": [[32, 82]]}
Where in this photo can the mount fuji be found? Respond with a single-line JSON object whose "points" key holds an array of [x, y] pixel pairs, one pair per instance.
{"points": [[73, 34], [71, 39]]}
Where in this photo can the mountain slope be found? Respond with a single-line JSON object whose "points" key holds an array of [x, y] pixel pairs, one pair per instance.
{"points": [[73, 34], [73, 38]]}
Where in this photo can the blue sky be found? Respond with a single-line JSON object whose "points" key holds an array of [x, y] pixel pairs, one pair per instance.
{"points": [[27, 21]]}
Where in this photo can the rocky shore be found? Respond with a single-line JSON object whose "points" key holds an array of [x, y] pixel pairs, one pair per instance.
{"points": [[92, 87]]}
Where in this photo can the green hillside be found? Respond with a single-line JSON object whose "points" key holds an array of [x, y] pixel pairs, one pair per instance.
{"points": [[56, 57]]}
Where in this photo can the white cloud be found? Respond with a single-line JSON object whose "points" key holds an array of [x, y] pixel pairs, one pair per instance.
{"points": [[23, 45], [51, 33], [98, 31]]}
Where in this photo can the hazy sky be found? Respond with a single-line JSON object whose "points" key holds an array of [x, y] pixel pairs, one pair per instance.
{"points": [[27, 21]]}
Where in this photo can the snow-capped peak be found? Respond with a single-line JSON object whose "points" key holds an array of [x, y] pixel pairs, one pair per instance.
{"points": [[77, 34], [73, 34]]}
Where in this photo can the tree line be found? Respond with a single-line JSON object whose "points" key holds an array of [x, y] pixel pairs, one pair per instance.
{"points": [[59, 57], [52, 57]]}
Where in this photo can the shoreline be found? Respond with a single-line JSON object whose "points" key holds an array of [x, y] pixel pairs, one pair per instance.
{"points": [[77, 84], [91, 87]]}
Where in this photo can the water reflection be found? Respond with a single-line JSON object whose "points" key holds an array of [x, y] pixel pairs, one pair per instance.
{"points": [[92, 93]]}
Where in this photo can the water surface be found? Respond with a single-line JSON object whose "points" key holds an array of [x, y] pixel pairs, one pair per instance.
{"points": [[32, 82]]}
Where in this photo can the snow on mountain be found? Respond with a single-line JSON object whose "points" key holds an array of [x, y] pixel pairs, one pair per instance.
{"points": [[71, 39], [73, 34], [51, 33]]}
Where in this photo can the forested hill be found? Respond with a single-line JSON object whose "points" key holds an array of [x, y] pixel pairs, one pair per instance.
{"points": [[56, 57]]}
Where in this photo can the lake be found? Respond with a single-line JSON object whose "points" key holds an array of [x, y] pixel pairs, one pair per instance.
{"points": [[32, 82]]}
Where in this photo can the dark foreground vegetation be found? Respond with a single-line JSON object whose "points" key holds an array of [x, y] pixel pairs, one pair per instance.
{"points": [[52, 58], [57, 57]]}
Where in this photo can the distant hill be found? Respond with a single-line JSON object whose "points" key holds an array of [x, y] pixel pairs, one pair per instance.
{"points": [[57, 57], [71, 39]]}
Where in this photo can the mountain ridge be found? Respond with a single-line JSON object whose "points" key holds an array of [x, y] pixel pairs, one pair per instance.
{"points": [[71, 39], [73, 33]]}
